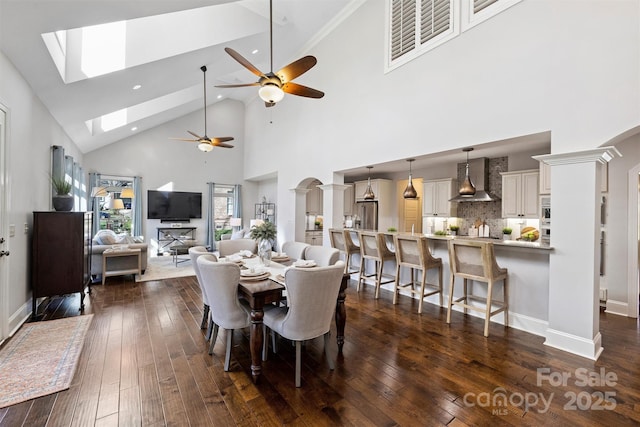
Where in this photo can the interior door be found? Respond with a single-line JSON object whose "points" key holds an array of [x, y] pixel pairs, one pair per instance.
{"points": [[4, 246], [412, 217]]}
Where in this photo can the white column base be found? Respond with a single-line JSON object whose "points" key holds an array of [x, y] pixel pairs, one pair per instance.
{"points": [[591, 349]]}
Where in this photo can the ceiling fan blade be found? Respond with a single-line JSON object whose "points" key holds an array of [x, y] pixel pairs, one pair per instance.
{"points": [[184, 139], [244, 62], [296, 89], [220, 144], [195, 134], [240, 85], [296, 68], [222, 139]]}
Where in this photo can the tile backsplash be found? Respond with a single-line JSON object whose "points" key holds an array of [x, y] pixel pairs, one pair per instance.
{"points": [[490, 212]]}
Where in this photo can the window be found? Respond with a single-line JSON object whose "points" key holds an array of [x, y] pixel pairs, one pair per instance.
{"points": [[432, 23], [223, 206]]}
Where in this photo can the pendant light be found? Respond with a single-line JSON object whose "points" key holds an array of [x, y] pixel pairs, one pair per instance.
{"points": [[368, 193], [410, 192], [467, 188]]}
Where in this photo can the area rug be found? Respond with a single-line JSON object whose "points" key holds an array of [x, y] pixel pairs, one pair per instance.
{"points": [[41, 358], [163, 267]]}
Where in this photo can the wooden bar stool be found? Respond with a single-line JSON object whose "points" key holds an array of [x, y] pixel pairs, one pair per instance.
{"points": [[473, 260], [413, 252], [374, 247], [341, 240]]}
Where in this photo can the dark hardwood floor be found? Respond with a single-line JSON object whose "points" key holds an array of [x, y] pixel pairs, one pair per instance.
{"points": [[145, 362]]}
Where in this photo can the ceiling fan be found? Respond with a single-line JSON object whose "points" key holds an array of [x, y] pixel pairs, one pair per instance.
{"points": [[205, 143], [274, 85]]}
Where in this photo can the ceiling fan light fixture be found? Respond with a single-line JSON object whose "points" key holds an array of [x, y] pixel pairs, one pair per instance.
{"points": [[410, 192], [271, 93], [205, 146]]}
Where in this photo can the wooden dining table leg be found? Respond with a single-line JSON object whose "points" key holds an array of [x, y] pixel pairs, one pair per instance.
{"points": [[341, 312], [256, 338]]}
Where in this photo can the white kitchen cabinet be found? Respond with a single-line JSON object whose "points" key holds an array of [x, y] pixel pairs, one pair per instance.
{"points": [[520, 194], [361, 187], [437, 193], [349, 200], [313, 238], [314, 200], [545, 178]]}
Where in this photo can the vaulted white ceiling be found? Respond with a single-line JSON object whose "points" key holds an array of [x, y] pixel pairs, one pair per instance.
{"points": [[159, 45]]}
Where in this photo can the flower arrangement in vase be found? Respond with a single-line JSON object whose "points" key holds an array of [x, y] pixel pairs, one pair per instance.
{"points": [[265, 234]]}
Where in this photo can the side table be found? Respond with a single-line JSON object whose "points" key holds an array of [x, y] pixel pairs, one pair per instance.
{"points": [[120, 252]]}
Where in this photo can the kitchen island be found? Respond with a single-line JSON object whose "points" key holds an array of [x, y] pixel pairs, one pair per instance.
{"points": [[528, 265]]}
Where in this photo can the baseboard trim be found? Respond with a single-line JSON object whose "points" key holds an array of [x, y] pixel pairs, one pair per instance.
{"points": [[517, 321], [617, 307], [18, 318], [590, 349]]}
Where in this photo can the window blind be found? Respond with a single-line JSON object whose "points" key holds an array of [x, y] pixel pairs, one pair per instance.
{"points": [[435, 18], [478, 5], [403, 27]]}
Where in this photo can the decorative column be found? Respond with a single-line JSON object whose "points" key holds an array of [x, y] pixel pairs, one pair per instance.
{"points": [[574, 264], [332, 208], [300, 213]]}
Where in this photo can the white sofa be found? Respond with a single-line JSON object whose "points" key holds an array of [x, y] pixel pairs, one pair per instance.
{"points": [[105, 239]]}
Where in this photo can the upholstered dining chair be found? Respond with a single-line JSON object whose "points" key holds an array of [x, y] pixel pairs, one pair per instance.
{"points": [[322, 255], [230, 247], [312, 302], [194, 253], [413, 252], [295, 250], [220, 280], [475, 261]]}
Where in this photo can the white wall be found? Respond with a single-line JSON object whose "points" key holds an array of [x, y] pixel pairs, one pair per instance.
{"points": [[616, 227], [31, 131]]}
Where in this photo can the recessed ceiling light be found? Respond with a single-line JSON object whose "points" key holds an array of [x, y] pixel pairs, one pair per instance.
{"points": [[255, 51], [135, 128], [136, 87], [219, 96]]}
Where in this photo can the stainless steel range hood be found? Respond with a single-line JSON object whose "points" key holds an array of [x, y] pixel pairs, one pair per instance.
{"points": [[479, 174]]}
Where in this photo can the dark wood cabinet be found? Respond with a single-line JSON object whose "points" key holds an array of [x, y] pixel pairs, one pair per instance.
{"points": [[60, 254]]}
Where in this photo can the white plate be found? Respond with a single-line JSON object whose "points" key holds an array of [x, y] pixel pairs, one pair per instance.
{"points": [[249, 273]]}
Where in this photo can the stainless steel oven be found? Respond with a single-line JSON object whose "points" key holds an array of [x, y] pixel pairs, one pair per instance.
{"points": [[545, 210], [545, 219]]}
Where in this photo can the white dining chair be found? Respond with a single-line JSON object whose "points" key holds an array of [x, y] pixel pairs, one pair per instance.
{"points": [[313, 293], [294, 250], [220, 280], [230, 247], [322, 255], [194, 253]]}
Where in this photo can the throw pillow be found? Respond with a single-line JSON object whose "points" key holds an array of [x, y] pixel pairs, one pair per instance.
{"points": [[237, 235], [105, 237]]}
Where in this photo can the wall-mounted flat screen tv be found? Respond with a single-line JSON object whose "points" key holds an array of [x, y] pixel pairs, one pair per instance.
{"points": [[173, 205]]}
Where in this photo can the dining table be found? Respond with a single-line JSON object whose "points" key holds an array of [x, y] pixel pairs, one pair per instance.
{"points": [[259, 291]]}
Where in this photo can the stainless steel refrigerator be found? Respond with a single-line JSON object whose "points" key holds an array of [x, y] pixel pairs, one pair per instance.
{"points": [[368, 215]]}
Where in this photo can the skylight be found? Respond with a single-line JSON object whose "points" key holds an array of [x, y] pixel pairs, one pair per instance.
{"points": [[91, 51]]}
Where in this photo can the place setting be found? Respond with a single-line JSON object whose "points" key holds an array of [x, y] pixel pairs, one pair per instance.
{"points": [[279, 257], [254, 273]]}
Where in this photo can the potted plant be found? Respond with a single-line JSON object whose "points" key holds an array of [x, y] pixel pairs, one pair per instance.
{"points": [[265, 234], [506, 233], [62, 199], [454, 229], [392, 229], [318, 225]]}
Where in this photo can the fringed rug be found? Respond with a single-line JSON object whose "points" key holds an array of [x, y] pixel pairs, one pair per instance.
{"points": [[41, 358], [163, 267]]}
